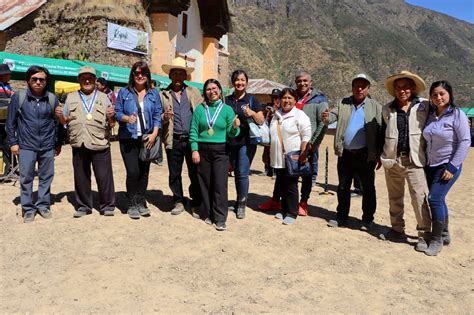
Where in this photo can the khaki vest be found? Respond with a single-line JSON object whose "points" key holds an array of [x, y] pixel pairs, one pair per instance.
{"points": [[416, 123], [94, 133]]}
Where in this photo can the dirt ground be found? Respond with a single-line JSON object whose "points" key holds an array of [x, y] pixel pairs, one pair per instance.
{"points": [[177, 264]]}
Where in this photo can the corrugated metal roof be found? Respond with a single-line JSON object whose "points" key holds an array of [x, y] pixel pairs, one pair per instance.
{"points": [[263, 86], [15, 10]]}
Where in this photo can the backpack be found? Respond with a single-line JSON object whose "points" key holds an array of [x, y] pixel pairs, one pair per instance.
{"points": [[22, 99]]}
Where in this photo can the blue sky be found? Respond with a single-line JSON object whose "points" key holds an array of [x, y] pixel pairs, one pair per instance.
{"points": [[461, 9]]}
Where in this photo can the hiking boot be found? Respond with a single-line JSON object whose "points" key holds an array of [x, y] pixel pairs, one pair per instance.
{"points": [[421, 245], [29, 217], [220, 226], [436, 242], [81, 213], [240, 213], [269, 205], [45, 213], [393, 236], [178, 208], [303, 208]]}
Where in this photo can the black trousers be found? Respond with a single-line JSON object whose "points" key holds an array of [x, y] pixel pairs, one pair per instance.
{"points": [[212, 175], [137, 170], [288, 192], [182, 152], [101, 161], [348, 165], [5, 148]]}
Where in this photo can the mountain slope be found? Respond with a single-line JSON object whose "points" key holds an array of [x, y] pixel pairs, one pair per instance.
{"points": [[335, 39]]}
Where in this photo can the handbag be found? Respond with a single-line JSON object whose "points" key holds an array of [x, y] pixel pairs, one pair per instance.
{"points": [[259, 134], [293, 166], [146, 155]]}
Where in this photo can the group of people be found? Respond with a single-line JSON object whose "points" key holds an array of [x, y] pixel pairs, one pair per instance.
{"points": [[422, 142]]}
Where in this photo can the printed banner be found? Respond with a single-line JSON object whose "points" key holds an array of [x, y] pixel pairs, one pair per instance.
{"points": [[123, 38]]}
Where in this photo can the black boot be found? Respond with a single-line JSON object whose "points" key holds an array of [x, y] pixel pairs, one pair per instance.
{"points": [[436, 243], [445, 235], [241, 208]]}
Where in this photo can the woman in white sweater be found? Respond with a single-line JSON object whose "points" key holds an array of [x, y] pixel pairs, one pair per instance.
{"points": [[294, 128]]}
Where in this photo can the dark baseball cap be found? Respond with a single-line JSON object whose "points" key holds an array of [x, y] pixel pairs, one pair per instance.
{"points": [[276, 92], [4, 69]]}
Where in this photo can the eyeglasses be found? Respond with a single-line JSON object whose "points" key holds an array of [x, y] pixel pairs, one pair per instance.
{"points": [[35, 79]]}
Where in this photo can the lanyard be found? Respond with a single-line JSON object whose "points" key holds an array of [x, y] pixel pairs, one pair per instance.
{"points": [[88, 107], [211, 121], [301, 102]]}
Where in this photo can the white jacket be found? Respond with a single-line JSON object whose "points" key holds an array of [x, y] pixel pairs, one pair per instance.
{"points": [[295, 128]]}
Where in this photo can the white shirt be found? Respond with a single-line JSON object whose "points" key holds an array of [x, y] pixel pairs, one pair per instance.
{"points": [[295, 128], [139, 125]]}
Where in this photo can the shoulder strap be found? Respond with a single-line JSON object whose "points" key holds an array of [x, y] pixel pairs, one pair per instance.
{"points": [[21, 98], [139, 112], [279, 135]]}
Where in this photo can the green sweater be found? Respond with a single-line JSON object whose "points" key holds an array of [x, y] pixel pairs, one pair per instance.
{"points": [[222, 127]]}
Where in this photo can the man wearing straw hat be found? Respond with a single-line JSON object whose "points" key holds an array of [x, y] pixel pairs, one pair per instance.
{"points": [[404, 154], [179, 101]]}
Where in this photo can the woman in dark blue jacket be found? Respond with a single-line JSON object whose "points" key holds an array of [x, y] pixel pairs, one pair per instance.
{"points": [[131, 135]]}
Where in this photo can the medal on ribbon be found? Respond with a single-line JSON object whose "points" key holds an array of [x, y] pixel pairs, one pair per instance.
{"points": [[88, 107], [212, 120]]}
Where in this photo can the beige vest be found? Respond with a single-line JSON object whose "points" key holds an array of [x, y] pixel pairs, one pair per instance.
{"points": [[416, 123], [94, 133]]}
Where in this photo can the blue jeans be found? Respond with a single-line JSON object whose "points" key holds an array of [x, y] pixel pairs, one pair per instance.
{"points": [[307, 181], [241, 158], [439, 188], [28, 161]]}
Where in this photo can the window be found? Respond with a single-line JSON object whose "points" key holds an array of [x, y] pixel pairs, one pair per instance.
{"points": [[184, 25]]}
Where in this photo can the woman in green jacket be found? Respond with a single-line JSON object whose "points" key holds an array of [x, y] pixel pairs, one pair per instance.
{"points": [[213, 121]]}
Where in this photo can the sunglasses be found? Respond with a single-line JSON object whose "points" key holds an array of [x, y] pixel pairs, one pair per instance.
{"points": [[35, 79], [140, 73]]}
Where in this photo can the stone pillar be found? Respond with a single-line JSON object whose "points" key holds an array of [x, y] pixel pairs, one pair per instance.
{"points": [[210, 54], [163, 40]]}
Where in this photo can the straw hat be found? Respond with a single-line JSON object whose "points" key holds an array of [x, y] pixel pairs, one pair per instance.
{"points": [[177, 63], [420, 85]]}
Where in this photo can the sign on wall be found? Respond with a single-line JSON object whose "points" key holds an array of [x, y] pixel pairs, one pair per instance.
{"points": [[123, 38]]}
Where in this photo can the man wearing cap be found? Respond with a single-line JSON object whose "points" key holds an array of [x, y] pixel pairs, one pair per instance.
{"points": [[313, 103], [179, 101], [89, 115], [357, 144], [404, 154], [6, 93]]}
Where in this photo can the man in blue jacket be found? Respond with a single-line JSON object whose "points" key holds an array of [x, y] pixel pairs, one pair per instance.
{"points": [[33, 135]]}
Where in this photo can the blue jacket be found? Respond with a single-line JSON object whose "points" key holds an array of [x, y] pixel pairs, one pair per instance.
{"points": [[126, 105], [34, 127]]}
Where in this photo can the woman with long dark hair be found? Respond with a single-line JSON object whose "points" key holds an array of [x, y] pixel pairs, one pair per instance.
{"points": [[138, 104], [242, 150], [213, 122], [448, 139]]}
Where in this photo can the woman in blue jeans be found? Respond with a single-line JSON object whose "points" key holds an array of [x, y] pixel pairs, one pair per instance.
{"points": [[242, 151], [448, 139]]}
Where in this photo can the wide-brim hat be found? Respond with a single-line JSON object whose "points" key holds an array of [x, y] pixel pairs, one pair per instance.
{"points": [[177, 63], [420, 85], [4, 69]]}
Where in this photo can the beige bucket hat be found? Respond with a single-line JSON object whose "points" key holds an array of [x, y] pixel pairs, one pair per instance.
{"points": [[177, 63], [420, 85]]}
